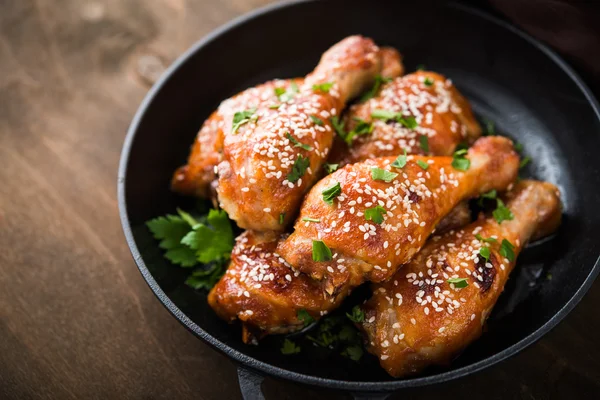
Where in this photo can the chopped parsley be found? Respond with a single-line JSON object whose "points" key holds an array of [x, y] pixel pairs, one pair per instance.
{"points": [[213, 241], [274, 106], [518, 147], [490, 129], [420, 67], [357, 315], [502, 213], [379, 80], [458, 283], [362, 128], [507, 250], [422, 164], [379, 174], [286, 95], [320, 251], [524, 162], [309, 219], [492, 194], [338, 126], [459, 161], [298, 169], [331, 193], [206, 279], [289, 347], [484, 252], [424, 143], [375, 214], [329, 168], [316, 120], [487, 240], [281, 218], [400, 162], [353, 352], [305, 317], [243, 117], [428, 82], [410, 122], [323, 87], [296, 143]]}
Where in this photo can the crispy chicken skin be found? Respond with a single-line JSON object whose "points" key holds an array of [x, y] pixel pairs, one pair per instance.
{"points": [[264, 292], [264, 174], [443, 115], [413, 202], [198, 177], [417, 318]]}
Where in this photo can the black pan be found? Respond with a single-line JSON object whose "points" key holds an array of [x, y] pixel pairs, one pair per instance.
{"points": [[510, 78]]}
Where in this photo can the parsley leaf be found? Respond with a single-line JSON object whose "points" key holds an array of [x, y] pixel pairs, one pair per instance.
{"points": [[422, 164], [487, 240], [287, 95], [357, 315], [410, 122], [424, 142], [502, 213], [274, 106], [458, 283], [329, 168], [524, 162], [206, 278], [375, 214], [320, 251], [170, 229], [338, 126], [518, 147], [323, 87], [492, 194], [316, 120], [400, 162], [490, 129], [289, 347], [354, 352], [331, 193], [484, 252], [379, 174], [459, 161], [305, 317], [296, 143], [428, 82], [461, 146], [212, 242], [507, 250], [362, 128], [420, 67], [379, 80], [281, 218], [242, 117], [309, 219], [298, 169]]}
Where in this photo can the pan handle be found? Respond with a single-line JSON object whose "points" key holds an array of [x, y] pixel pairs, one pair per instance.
{"points": [[250, 383]]}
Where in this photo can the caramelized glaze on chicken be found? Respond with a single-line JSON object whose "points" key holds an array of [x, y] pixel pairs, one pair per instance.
{"points": [[411, 203], [270, 161], [264, 292], [442, 115], [199, 176], [418, 318]]}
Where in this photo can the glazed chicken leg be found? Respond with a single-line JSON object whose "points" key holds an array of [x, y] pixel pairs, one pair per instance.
{"points": [[442, 118], [274, 155], [380, 215], [437, 304]]}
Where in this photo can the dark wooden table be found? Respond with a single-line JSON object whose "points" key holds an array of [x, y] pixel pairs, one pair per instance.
{"points": [[76, 319]]}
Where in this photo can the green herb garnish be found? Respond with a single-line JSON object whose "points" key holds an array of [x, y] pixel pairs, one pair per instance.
{"points": [[379, 80], [379, 174], [354, 352], [485, 253], [298, 169], [507, 250], [357, 315], [502, 213], [422, 164], [420, 67], [428, 81], [424, 142], [487, 240], [316, 120], [524, 162], [242, 117], [320, 251], [309, 219], [305, 317], [490, 129], [331, 193], [212, 242], [287, 95], [400, 162], [289, 347], [459, 161], [323, 87], [409, 122], [296, 143], [375, 214], [329, 168], [458, 283], [281, 218]]}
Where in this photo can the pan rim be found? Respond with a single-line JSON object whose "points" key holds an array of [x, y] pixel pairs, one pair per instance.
{"points": [[281, 373]]}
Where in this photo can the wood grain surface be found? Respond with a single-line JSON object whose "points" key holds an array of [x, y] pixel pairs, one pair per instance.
{"points": [[77, 321]]}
